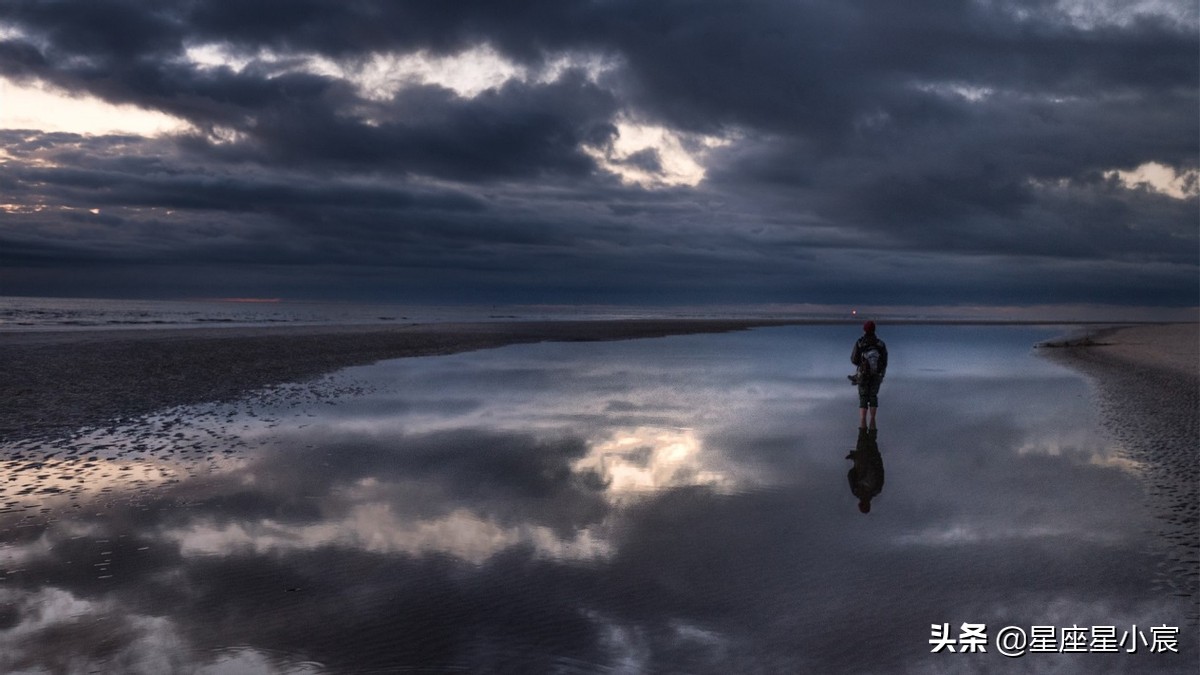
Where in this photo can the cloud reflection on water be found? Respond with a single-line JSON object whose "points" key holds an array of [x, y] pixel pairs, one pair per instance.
{"points": [[677, 503]]}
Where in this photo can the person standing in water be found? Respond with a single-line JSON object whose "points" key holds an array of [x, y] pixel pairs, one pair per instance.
{"points": [[870, 356]]}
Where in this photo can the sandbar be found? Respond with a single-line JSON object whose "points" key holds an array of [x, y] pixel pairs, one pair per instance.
{"points": [[1170, 348]]}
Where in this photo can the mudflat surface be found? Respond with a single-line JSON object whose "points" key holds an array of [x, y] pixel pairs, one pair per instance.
{"points": [[681, 504], [1173, 348], [1148, 391], [56, 381]]}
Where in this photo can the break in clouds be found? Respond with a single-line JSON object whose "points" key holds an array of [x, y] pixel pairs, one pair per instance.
{"points": [[950, 152]]}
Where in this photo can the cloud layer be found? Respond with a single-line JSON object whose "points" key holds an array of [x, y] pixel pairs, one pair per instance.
{"points": [[953, 152]]}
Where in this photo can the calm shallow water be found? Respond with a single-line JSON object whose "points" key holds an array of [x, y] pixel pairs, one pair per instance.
{"points": [[668, 505]]}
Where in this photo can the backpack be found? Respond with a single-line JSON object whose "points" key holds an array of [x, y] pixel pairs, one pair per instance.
{"points": [[868, 361]]}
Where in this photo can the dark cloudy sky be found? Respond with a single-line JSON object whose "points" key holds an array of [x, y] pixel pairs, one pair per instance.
{"points": [[848, 152]]}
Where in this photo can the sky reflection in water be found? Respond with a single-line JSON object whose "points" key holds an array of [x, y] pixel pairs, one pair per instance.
{"points": [[673, 504]]}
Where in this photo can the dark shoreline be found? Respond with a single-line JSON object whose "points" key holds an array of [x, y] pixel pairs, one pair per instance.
{"points": [[55, 381]]}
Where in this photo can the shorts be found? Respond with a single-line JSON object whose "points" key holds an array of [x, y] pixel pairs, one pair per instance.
{"points": [[868, 392]]}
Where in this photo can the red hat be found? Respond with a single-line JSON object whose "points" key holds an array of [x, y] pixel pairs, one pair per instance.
{"points": [[869, 327]]}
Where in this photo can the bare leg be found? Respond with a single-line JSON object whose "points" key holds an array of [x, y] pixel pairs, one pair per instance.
{"points": [[873, 411], [862, 418]]}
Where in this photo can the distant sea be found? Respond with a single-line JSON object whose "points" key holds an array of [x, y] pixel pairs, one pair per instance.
{"points": [[36, 314], [29, 313]]}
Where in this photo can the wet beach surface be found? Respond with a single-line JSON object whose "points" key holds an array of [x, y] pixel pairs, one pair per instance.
{"points": [[1145, 378], [676, 504], [59, 380]]}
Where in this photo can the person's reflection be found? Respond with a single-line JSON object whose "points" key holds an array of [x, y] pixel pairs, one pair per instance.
{"points": [[866, 476]]}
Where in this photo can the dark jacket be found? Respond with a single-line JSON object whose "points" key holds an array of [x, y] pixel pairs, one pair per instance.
{"points": [[863, 344]]}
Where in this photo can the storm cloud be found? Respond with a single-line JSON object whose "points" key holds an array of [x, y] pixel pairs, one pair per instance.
{"points": [[951, 152]]}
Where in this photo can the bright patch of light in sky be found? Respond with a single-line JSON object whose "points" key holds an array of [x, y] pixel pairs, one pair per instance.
{"points": [[217, 56], [471, 72], [1093, 14], [1098, 13], [679, 156], [1159, 178], [381, 75], [972, 93], [35, 106]]}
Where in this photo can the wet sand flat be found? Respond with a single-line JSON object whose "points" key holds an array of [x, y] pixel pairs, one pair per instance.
{"points": [[1148, 390], [57, 381], [1170, 348], [668, 505]]}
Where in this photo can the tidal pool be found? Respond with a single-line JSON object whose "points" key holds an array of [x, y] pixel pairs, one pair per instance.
{"points": [[677, 504]]}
